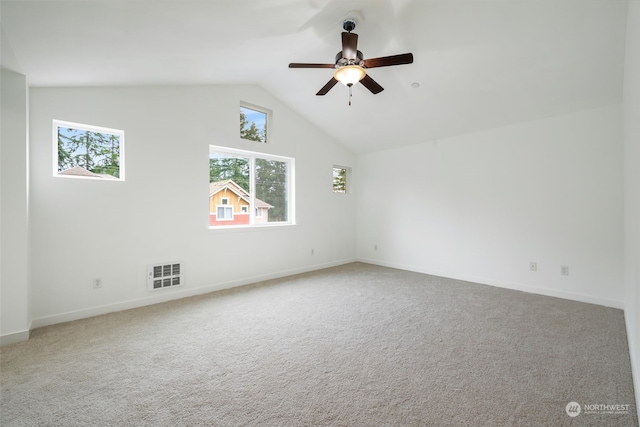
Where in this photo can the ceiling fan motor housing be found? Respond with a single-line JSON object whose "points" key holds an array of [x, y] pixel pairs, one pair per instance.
{"points": [[340, 61]]}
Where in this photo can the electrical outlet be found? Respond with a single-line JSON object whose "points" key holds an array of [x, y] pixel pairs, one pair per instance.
{"points": [[533, 266], [564, 270], [375, 247], [312, 251], [97, 283]]}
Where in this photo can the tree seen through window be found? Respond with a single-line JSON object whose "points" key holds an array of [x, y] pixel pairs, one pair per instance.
{"points": [[339, 180], [253, 125]]}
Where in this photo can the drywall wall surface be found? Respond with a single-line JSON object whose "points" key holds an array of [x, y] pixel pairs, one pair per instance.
{"points": [[482, 206], [14, 256], [86, 229], [632, 189]]}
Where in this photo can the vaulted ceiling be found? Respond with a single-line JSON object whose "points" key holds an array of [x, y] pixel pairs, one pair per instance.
{"points": [[479, 64]]}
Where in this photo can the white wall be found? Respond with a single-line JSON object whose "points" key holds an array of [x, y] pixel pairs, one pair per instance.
{"points": [[83, 229], [632, 189], [14, 259], [481, 206]]}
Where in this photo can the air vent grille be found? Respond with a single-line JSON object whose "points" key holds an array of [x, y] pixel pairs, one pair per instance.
{"points": [[165, 275]]}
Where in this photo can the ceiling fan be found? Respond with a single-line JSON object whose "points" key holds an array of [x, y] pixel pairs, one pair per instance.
{"points": [[350, 65]]}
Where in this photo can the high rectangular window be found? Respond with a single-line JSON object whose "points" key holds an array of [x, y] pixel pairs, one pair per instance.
{"points": [[247, 188], [86, 151], [253, 123]]}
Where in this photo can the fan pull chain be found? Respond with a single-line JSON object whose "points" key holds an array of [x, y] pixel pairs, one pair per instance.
{"points": [[350, 95]]}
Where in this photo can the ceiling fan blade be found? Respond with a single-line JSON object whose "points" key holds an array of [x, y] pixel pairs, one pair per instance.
{"points": [[371, 84], [385, 61], [298, 65], [349, 45], [326, 88]]}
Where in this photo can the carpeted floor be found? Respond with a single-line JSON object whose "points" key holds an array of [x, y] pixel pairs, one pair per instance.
{"points": [[356, 345]]}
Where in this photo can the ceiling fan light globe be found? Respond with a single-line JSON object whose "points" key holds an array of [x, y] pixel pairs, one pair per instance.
{"points": [[349, 74]]}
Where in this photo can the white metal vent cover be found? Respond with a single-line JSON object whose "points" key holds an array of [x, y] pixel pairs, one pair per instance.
{"points": [[165, 275]]}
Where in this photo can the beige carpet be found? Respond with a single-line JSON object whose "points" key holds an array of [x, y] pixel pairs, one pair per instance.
{"points": [[356, 345]]}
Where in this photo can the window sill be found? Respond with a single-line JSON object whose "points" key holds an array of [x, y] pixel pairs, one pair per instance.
{"points": [[257, 227]]}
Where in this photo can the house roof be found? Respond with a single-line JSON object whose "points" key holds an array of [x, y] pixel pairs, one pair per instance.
{"points": [[80, 171], [215, 187]]}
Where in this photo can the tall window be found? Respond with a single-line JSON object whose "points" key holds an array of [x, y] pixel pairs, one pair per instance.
{"points": [[85, 151], [253, 123], [247, 188]]}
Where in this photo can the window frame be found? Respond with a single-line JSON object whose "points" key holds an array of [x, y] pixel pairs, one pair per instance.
{"points": [[57, 124], [252, 156]]}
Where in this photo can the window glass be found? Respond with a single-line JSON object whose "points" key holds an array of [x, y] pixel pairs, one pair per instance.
{"points": [[339, 179], [247, 188], [271, 188], [253, 124], [86, 151]]}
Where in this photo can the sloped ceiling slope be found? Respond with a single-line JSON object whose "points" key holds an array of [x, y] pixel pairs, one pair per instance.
{"points": [[479, 64]]}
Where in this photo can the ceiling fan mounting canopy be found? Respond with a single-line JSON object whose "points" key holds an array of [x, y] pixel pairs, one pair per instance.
{"points": [[350, 64], [349, 24]]}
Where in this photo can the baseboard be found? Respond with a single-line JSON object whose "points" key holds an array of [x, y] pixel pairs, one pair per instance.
{"points": [[176, 294], [574, 296], [14, 337]]}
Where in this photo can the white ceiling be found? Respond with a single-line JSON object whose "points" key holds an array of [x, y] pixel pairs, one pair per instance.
{"points": [[480, 63]]}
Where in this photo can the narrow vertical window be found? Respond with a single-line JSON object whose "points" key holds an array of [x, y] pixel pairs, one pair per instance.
{"points": [[339, 179], [253, 124]]}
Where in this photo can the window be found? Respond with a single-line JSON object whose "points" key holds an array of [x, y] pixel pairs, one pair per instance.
{"points": [[85, 151], [247, 188], [224, 213], [339, 179], [253, 123]]}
